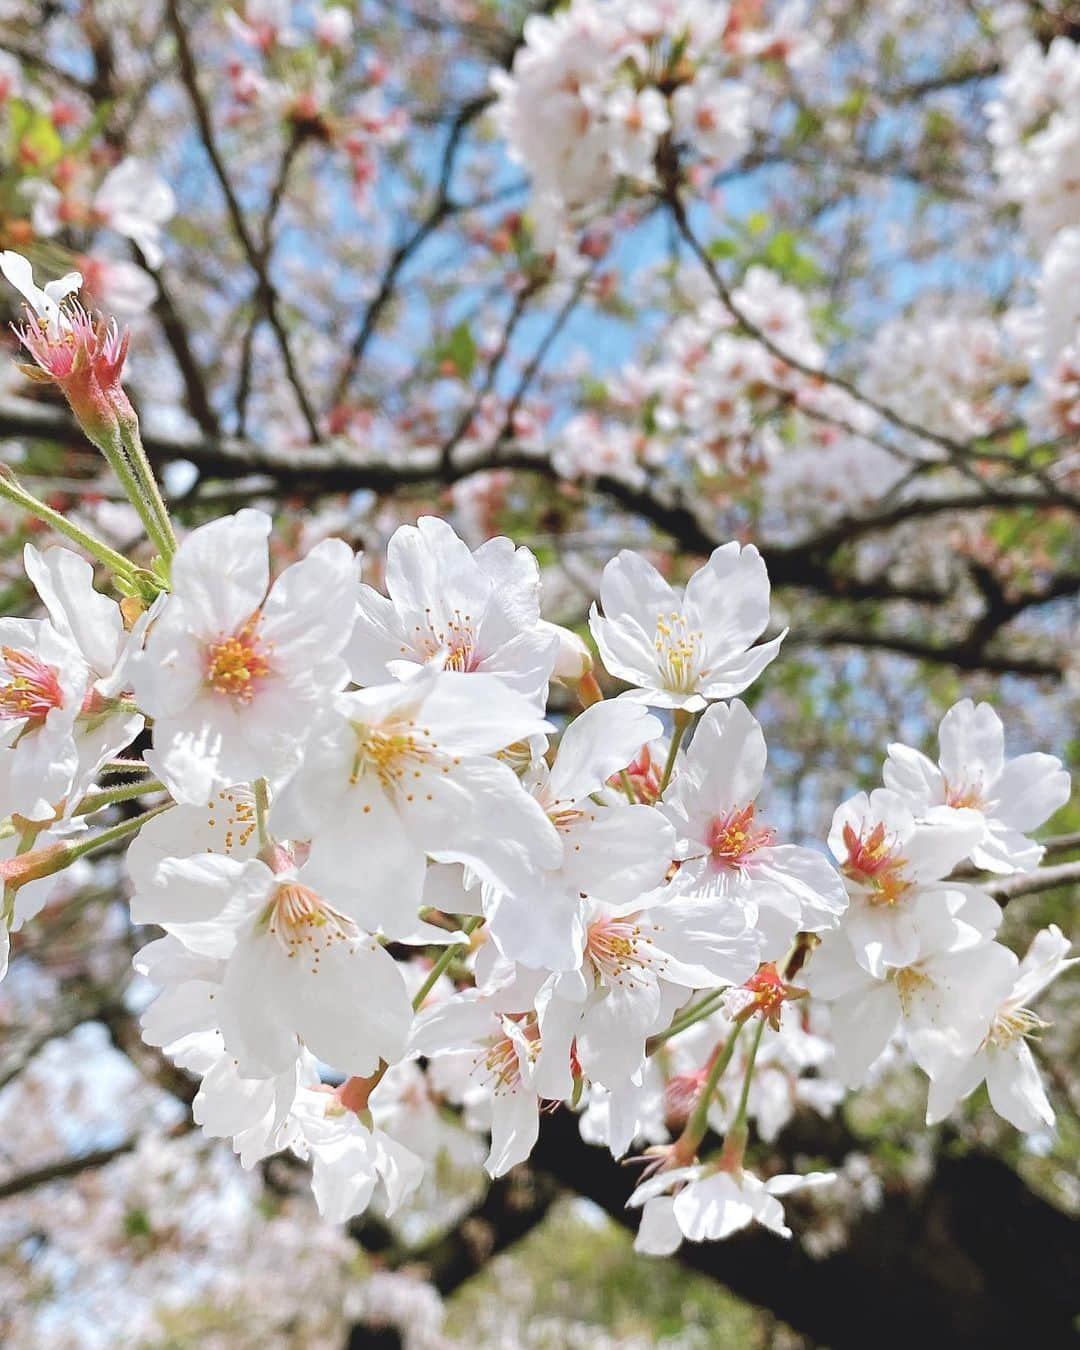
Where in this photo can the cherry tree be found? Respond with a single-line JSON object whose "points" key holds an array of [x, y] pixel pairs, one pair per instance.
{"points": [[446, 447]]}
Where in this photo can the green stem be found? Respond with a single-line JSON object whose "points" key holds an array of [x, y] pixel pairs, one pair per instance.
{"points": [[696, 1012], [136, 454], [128, 766], [117, 459], [447, 955], [683, 719], [27, 840], [698, 1123], [628, 787], [109, 836], [14, 492], [744, 1096], [123, 792], [262, 807]]}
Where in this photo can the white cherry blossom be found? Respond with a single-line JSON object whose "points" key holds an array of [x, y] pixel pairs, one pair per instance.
{"points": [[729, 853], [893, 865], [486, 1057], [296, 964], [235, 671], [942, 998], [610, 848], [1003, 1058], [638, 962], [711, 1203], [467, 611], [404, 772], [682, 649], [352, 1158], [1011, 796]]}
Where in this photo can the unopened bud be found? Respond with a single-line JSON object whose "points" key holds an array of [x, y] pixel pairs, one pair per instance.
{"points": [[573, 661]]}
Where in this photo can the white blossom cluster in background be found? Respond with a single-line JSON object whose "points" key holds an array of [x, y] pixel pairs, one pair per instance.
{"points": [[389, 881], [1034, 128], [598, 87], [285, 69], [715, 395]]}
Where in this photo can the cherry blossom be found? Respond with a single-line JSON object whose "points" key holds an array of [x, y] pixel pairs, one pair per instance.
{"points": [[892, 864], [404, 771], [681, 649], [296, 964], [610, 848], [729, 853], [487, 1058], [236, 672], [1012, 796], [1003, 1058], [942, 997], [465, 611], [711, 1203]]}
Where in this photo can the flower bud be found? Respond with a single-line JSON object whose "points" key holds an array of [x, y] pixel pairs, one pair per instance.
{"points": [[573, 660]]}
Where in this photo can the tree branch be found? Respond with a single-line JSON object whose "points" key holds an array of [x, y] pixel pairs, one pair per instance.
{"points": [[248, 244]]}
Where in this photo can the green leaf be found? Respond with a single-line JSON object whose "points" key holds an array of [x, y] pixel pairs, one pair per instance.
{"points": [[33, 135], [723, 248], [757, 222], [459, 349]]}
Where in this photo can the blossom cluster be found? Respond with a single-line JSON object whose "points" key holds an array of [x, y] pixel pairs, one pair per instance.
{"points": [[287, 68], [597, 89], [1035, 134], [719, 395], [915, 952], [392, 874]]}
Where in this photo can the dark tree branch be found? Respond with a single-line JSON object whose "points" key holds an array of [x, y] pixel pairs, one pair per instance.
{"points": [[973, 1261], [249, 245], [809, 564]]}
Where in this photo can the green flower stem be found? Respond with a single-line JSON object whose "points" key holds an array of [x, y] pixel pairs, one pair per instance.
{"points": [[744, 1096], [109, 836], [447, 955], [696, 1012], [694, 1132], [123, 792], [14, 492], [116, 455], [683, 721], [136, 454], [628, 787]]}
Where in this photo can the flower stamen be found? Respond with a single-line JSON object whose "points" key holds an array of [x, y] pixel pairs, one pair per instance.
{"points": [[235, 665], [33, 689]]}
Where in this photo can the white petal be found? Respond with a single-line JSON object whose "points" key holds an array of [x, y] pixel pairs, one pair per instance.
{"points": [[659, 1233], [515, 1126], [604, 739], [222, 569], [972, 742], [1016, 1090], [1030, 789]]}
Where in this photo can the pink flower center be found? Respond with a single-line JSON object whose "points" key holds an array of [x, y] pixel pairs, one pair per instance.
{"points": [[618, 951], [734, 838], [499, 1061], [235, 665], [33, 689], [873, 860]]}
